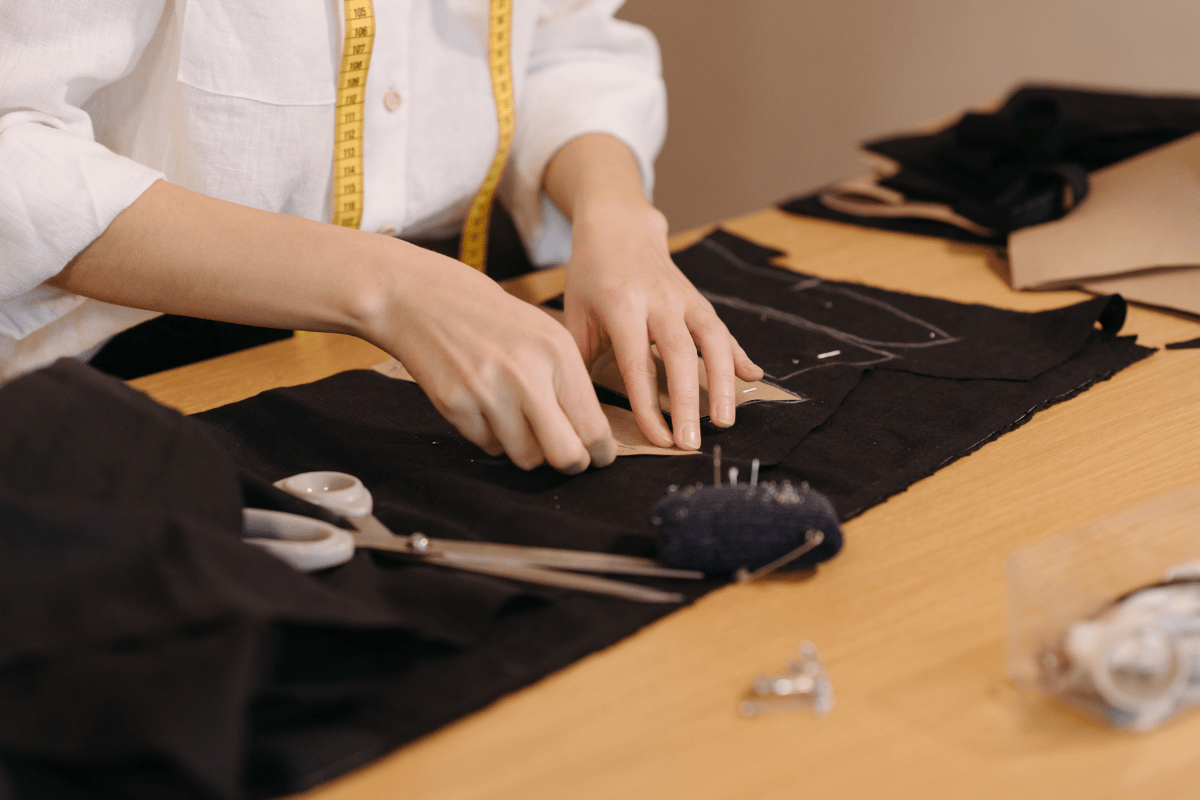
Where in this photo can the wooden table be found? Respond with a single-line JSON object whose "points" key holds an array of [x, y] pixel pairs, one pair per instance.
{"points": [[909, 619]]}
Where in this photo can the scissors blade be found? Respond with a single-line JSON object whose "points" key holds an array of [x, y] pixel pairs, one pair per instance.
{"points": [[373, 534], [564, 580]]}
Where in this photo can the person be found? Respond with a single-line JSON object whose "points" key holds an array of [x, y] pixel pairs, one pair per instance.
{"points": [[176, 157]]}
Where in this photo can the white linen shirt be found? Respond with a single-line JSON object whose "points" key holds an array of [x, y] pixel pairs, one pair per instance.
{"points": [[100, 98]]}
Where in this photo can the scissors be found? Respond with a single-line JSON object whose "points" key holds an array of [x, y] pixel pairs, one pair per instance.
{"points": [[311, 544]]}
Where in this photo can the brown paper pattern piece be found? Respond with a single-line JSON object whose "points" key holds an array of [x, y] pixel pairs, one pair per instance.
{"points": [[629, 437]]}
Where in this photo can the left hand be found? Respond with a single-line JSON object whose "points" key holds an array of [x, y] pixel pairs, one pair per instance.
{"points": [[624, 291]]}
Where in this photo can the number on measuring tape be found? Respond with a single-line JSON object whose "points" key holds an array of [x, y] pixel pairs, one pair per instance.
{"points": [[348, 133]]}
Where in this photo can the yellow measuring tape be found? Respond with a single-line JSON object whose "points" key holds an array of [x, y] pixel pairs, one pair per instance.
{"points": [[474, 239], [348, 132]]}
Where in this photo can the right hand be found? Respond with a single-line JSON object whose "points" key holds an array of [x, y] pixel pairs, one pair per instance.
{"points": [[508, 376]]}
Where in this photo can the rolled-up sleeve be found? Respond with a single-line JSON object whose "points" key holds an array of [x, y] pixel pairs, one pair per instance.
{"points": [[588, 73], [59, 188]]}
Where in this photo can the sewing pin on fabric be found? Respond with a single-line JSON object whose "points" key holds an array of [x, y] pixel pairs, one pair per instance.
{"points": [[813, 537], [754, 473], [733, 475], [716, 465]]}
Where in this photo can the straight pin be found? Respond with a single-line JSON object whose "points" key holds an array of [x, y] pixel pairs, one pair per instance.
{"points": [[733, 473], [717, 465], [754, 473]]}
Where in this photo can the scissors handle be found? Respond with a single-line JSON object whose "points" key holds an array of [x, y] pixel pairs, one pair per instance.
{"points": [[339, 492], [303, 542]]}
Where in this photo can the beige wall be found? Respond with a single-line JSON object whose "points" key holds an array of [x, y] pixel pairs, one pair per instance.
{"points": [[768, 97]]}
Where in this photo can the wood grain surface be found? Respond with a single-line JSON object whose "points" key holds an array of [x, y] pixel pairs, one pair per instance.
{"points": [[909, 619]]}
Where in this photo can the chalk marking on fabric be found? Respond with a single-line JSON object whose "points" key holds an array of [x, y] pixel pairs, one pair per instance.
{"points": [[800, 286]]}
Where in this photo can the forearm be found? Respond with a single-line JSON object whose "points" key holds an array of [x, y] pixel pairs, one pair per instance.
{"points": [[180, 252], [505, 374], [595, 178]]}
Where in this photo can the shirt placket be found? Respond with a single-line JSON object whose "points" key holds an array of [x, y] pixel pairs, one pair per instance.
{"points": [[386, 120]]}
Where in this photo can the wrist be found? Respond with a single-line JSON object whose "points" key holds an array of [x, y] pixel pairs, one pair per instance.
{"points": [[385, 278], [399, 284], [618, 215], [596, 181]]}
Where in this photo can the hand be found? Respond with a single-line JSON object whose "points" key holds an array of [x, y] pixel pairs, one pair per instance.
{"points": [[624, 291], [506, 375]]}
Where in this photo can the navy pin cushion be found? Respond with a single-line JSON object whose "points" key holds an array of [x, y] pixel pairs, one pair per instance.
{"points": [[736, 528]]}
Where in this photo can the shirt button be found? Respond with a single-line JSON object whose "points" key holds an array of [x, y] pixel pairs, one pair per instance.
{"points": [[391, 100], [388, 230]]}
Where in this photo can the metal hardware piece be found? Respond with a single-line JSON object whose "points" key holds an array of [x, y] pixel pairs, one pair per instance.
{"points": [[804, 685]]}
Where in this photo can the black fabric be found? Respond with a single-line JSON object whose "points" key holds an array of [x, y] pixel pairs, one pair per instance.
{"points": [[1027, 162], [787, 320], [905, 427], [810, 205], [1189, 344], [146, 652], [172, 341]]}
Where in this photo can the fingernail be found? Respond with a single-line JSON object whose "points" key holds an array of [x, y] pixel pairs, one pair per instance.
{"points": [[664, 436], [724, 415], [691, 436]]}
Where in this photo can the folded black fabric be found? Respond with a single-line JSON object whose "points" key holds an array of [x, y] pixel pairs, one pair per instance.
{"points": [[146, 652], [142, 643], [1024, 164], [810, 205]]}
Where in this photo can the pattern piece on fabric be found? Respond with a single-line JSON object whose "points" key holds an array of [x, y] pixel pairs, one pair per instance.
{"points": [[1024, 164], [296, 679]]}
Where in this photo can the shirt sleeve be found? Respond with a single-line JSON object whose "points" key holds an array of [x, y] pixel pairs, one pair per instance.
{"points": [[588, 73], [59, 188]]}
